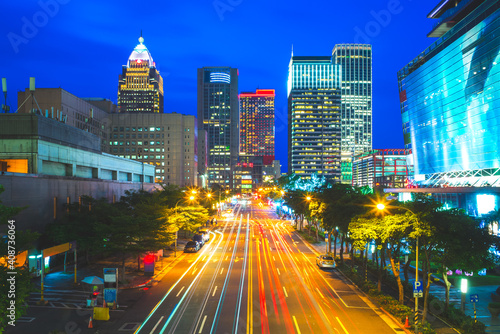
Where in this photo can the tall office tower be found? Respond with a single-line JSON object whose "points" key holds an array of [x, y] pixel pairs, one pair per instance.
{"points": [[356, 105], [257, 124], [449, 97], [140, 87], [218, 114], [314, 135]]}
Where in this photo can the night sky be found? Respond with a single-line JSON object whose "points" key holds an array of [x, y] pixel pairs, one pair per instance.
{"points": [[81, 45]]}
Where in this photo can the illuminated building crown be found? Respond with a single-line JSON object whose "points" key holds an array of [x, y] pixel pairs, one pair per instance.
{"points": [[140, 54]]}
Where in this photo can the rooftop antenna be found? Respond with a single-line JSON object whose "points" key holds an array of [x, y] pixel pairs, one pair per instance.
{"points": [[5, 107], [292, 50]]}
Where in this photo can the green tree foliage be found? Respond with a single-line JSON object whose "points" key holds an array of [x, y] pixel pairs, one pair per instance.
{"points": [[188, 218]]}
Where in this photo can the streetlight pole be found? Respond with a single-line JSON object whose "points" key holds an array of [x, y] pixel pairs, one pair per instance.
{"points": [[381, 207]]}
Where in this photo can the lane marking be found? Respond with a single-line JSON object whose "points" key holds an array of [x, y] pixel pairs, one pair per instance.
{"points": [[213, 294], [202, 324], [286, 294], [296, 325], [221, 271], [203, 258], [154, 328], [180, 292], [320, 293], [278, 271], [345, 330]]}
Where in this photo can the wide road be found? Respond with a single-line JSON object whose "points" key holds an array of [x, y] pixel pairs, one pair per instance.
{"points": [[257, 276]]}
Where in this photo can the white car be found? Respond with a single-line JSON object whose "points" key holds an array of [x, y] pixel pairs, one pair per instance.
{"points": [[325, 261]]}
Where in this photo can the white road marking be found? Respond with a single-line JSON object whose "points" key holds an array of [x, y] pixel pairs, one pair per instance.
{"points": [[286, 294], [154, 328], [278, 271], [180, 292], [221, 271], [296, 325], [213, 294], [202, 324], [345, 330]]}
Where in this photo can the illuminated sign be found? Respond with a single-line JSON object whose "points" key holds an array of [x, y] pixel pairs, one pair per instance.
{"points": [[220, 77]]}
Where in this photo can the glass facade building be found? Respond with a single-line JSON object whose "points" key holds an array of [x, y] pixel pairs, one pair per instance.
{"points": [[450, 95], [356, 103], [218, 115], [140, 86], [314, 133]]}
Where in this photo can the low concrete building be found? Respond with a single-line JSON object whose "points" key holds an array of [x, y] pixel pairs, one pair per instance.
{"points": [[46, 163], [88, 115]]}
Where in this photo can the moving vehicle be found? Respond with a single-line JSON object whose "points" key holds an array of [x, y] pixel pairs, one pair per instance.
{"points": [[199, 238], [205, 233], [192, 247], [325, 261]]}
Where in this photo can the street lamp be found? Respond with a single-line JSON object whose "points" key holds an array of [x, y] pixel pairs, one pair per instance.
{"points": [[381, 207]]}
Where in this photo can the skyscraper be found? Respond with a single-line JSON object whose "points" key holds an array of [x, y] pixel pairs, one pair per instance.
{"points": [[356, 103], [257, 124], [218, 114], [314, 133], [140, 87]]}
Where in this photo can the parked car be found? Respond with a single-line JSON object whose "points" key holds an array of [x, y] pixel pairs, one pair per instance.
{"points": [[199, 238], [205, 233], [192, 247], [325, 261]]}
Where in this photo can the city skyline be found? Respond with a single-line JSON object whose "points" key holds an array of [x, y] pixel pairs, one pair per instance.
{"points": [[184, 42]]}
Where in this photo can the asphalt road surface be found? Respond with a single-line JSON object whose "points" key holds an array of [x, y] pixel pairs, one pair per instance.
{"points": [[255, 275]]}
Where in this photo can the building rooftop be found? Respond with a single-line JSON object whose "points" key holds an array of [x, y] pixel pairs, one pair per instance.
{"points": [[140, 53]]}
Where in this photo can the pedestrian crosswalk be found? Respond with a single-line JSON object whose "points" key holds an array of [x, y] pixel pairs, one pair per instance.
{"points": [[69, 299]]}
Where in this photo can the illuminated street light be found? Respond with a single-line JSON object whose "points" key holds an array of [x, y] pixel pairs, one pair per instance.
{"points": [[308, 198], [209, 195], [381, 207], [191, 198]]}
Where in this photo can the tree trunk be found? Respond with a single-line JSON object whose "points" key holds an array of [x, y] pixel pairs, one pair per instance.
{"points": [[65, 255], [138, 262], [395, 271], [426, 299], [341, 253], [382, 259], [406, 267], [379, 271], [427, 283], [316, 225], [334, 245], [123, 267], [447, 291]]}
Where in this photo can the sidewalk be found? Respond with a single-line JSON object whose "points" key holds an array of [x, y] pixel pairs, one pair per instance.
{"points": [[438, 290], [59, 280]]}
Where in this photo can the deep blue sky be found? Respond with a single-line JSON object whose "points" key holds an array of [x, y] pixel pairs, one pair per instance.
{"points": [[80, 46]]}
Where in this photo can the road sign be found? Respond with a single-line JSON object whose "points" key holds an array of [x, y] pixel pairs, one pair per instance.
{"points": [[326, 237], [418, 290], [474, 298]]}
